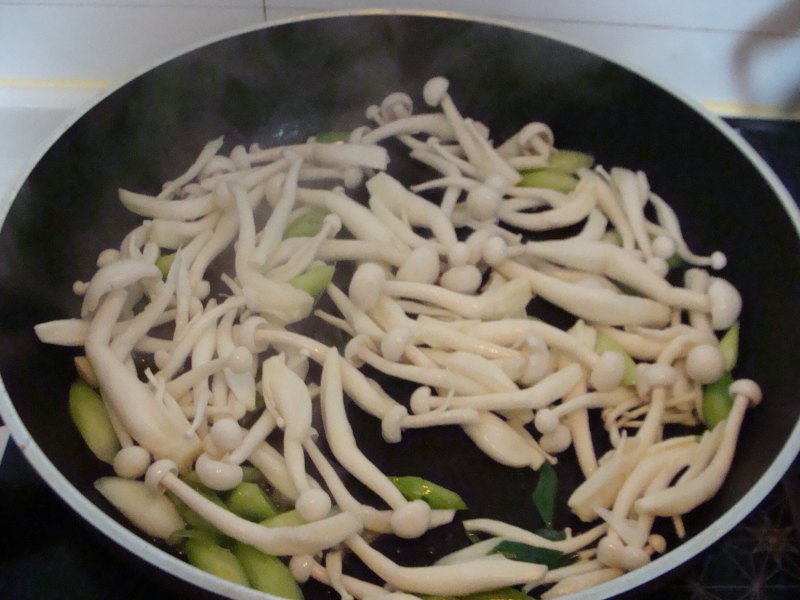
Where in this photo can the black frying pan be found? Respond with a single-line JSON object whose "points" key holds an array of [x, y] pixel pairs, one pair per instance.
{"points": [[281, 84]]}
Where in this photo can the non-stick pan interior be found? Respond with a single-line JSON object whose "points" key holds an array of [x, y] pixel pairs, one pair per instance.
{"points": [[283, 84]]}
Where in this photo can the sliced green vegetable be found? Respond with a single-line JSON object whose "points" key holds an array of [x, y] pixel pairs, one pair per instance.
{"points": [[729, 346], [267, 573], [552, 559], [290, 518], [604, 343], [314, 281], [164, 263], [548, 178], [717, 401], [250, 502], [180, 536], [417, 488], [251, 474], [554, 535], [331, 137], [675, 262], [569, 161], [306, 225], [88, 412], [216, 560], [193, 520], [544, 494]]}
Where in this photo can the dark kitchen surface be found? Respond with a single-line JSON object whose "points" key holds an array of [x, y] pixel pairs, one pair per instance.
{"points": [[47, 551]]}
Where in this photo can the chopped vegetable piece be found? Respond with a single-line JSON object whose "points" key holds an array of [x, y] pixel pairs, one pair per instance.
{"points": [[267, 573], [306, 225], [550, 179], [717, 401], [164, 263], [252, 475], [569, 161], [675, 262], [554, 535], [544, 494], [290, 518], [149, 511], [553, 559], [314, 281], [729, 346], [331, 137], [605, 343], [180, 536], [192, 519], [216, 560], [417, 488], [88, 412], [250, 502]]}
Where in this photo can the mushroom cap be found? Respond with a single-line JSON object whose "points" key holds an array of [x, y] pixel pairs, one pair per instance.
{"points": [[411, 520], [366, 286], [705, 363], [434, 90], [726, 303]]}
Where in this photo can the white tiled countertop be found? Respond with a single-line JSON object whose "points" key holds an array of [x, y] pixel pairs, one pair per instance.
{"points": [[57, 56]]}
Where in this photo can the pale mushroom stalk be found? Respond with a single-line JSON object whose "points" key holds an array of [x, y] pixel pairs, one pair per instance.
{"points": [[518, 534], [278, 541], [151, 207], [206, 154], [147, 421], [356, 218], [577, 209], [480, 574]]}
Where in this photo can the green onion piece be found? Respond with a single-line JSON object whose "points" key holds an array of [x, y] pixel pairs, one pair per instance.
{"points": [[729, 346], [164, 263], [417, 488], [604, 343], [182, 535], [554, 535], [544, 494], [267, 573], [216, 560], [290, 518], [88, 412], [552, 559], [306, 225], [251, 475], [717, 401], [331, 137], [250, 502], [548, 178], [314, 281], [569, 161]]}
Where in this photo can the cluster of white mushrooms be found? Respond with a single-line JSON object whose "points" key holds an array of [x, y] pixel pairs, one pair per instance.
{"points": [[437, 298]]}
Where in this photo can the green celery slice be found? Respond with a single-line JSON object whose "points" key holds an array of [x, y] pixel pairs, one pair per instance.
{"points": [[548, 178], [717, 401], [314, 281], [216, 560], [306, 225], [729, 346], [88, 412], [250, 502], [569, 161], [267, 573], [604, 343], [417, 488]]}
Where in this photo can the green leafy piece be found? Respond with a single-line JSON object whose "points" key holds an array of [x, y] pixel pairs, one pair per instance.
{"points": [[267, 573], [180, 536], [88, 412], [554, 535], [306, 225], [569, 161], [216, 560], [544, 494], [548, 178], [604, 343], [164, 263], [331, 137], [717, 401], [314, 281], [290, 518], [417, 488], [729, 346], [250, 502], [552, 559]]}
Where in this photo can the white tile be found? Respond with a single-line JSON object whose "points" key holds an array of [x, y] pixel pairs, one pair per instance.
{"points": [[771, 16], [105, 42]]}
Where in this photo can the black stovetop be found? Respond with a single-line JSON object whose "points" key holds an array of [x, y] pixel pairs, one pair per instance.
{"points": [[47, 551]]}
